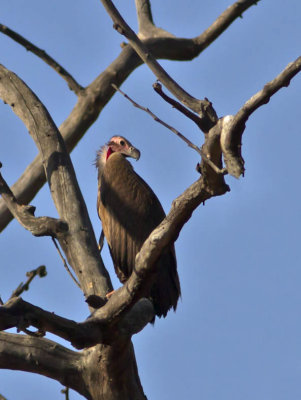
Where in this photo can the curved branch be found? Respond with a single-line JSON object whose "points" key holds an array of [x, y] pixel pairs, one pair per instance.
{"points": [[42, 356], [73, 85], [65, 191], [223, 22], [234, 126]]}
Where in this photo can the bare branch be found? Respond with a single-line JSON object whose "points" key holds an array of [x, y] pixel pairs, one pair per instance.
{"points": [[157, 119], [158, 89], [42, 356], [21, 314], [40, 271], [202, 107], [147, 28], [233, 127], [38, 226], [144, 13], [65, 191], [73, 85], [223, 22]]}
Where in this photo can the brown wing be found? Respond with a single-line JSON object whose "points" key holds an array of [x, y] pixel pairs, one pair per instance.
{"points": [[129, 211]]}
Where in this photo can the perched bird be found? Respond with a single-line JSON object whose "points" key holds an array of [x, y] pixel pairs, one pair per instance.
{"points": [[129, 211]]}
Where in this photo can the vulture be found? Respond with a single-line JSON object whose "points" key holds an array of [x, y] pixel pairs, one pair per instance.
{"points": [[129, 211]]}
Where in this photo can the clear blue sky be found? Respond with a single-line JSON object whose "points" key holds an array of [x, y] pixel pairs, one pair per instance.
{"points": [[237, 332]]}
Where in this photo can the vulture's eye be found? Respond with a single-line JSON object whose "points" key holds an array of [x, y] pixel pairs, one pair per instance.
{"points": [[122, 142]]}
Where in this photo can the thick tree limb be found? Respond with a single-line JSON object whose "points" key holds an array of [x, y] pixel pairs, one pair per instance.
{"points": [[21, 314], [234, 126], [202, 107], [17, 313], [79, 243], [73, 85], [38, 226], [99, 92], [44, 357]]}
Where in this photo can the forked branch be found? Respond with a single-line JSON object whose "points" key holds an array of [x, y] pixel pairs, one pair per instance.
{"points": [[202, 107]]}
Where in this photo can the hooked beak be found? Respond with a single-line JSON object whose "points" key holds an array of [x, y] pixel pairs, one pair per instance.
{"points": [[134, 153]]}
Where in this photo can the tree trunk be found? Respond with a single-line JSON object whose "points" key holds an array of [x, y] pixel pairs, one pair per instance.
{"points": [[111, 373]]}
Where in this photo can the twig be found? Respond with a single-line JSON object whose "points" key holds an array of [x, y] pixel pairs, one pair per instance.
{"points": [[73, 85], [154, 116], [40, 271], [65, 391], [65, 263]]}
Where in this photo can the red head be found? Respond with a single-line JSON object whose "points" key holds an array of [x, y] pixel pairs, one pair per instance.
{"points": [[119, 144]]}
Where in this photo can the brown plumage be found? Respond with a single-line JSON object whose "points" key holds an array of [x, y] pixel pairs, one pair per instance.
{"points": [[130, 211]]}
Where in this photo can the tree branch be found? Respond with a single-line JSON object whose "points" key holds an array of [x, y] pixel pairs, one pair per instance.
{"points": [[21, 314], [65, 191], [42, 356], [73, 85], [223, 22], [175, 104], [40, 271], [146, 25], [202, 107], [38, 226], [234, 126], [98, 94], [17, 313]]}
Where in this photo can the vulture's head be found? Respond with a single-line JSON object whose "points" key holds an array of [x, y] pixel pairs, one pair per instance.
{"points": [[117, 144]]}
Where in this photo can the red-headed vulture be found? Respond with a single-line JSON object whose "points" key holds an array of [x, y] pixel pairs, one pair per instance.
{"points": [[129, 211]]}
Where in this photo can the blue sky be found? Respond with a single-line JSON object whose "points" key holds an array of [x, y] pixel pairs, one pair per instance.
{"points": [[236, 333]]}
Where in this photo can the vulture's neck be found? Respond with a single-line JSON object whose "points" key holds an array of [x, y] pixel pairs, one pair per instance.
{"points": [[101, 158]]}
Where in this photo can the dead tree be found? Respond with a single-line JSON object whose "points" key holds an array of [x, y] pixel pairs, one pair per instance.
{"points": [[105, 367]]}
